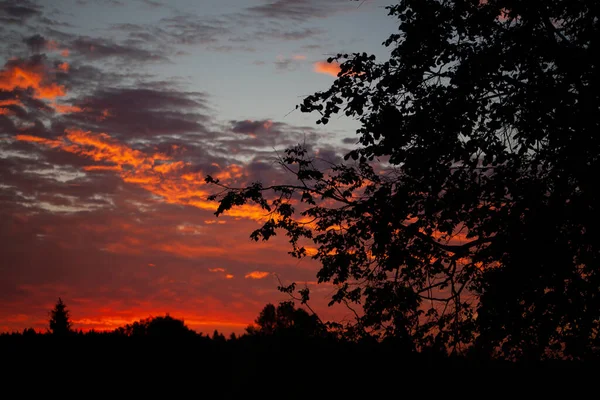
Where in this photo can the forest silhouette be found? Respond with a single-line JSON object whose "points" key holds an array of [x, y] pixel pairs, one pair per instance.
{"points": [[461, 229]]}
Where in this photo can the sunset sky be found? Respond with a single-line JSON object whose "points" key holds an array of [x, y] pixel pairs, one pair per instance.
{"points": [[112, 112]]}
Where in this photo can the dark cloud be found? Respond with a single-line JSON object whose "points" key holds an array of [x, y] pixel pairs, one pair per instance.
{"points": [[349, 140], [135, 112], [289, 63], [12, 12], [312, 46], [83, 77], [226, 48], [249, 25], [153, 3], [192, 30], [185, 30], [284, 64], [35, 43], [295, 10], [113, 3], [97, 48], [248, 127], [290, 35], [262, 136]]}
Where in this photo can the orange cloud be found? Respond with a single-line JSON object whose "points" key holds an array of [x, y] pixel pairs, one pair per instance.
{"points": [[115, 168], [310, 251], [234, 171], [65, 109], [187, 251], [323, 67], [155, 172], [36, 139], [64, 66], [213, 221], [187, 229], [21, 77], [221, 270], [10, 102], [299, 57], [257, 275], [64, 53], [38, 79], [105, 114]]}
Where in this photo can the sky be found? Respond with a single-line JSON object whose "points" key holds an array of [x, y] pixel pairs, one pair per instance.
{"points": [[112, 112]]}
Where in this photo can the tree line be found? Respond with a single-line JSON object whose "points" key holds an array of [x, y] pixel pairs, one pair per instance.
{"points": [[284, 320]]}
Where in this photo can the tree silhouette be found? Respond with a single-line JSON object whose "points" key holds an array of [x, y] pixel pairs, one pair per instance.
{"points": [[161, 326], [466, 213], [218, 337], [267, 319], [286, 319], [60, 321]]}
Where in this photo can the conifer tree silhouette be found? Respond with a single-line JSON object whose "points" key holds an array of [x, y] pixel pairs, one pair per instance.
{"points": [[60, 321]]}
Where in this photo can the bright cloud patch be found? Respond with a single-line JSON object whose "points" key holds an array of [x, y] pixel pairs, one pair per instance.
{"points": [[257, 275], [34, 76], [323, 67]]}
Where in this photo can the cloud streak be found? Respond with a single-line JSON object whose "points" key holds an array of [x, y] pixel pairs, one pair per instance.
{"points": [[174, 181], [296, 10]]}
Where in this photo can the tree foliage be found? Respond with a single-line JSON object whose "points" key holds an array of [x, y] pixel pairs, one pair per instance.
{"points": [[286, 320], [466, 214], [60, 319], [159, 327]]}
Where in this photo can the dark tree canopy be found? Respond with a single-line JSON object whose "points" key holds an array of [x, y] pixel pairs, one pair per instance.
{"points": [[466, 214], [161, 326], [286, 319], [60, 320]]}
